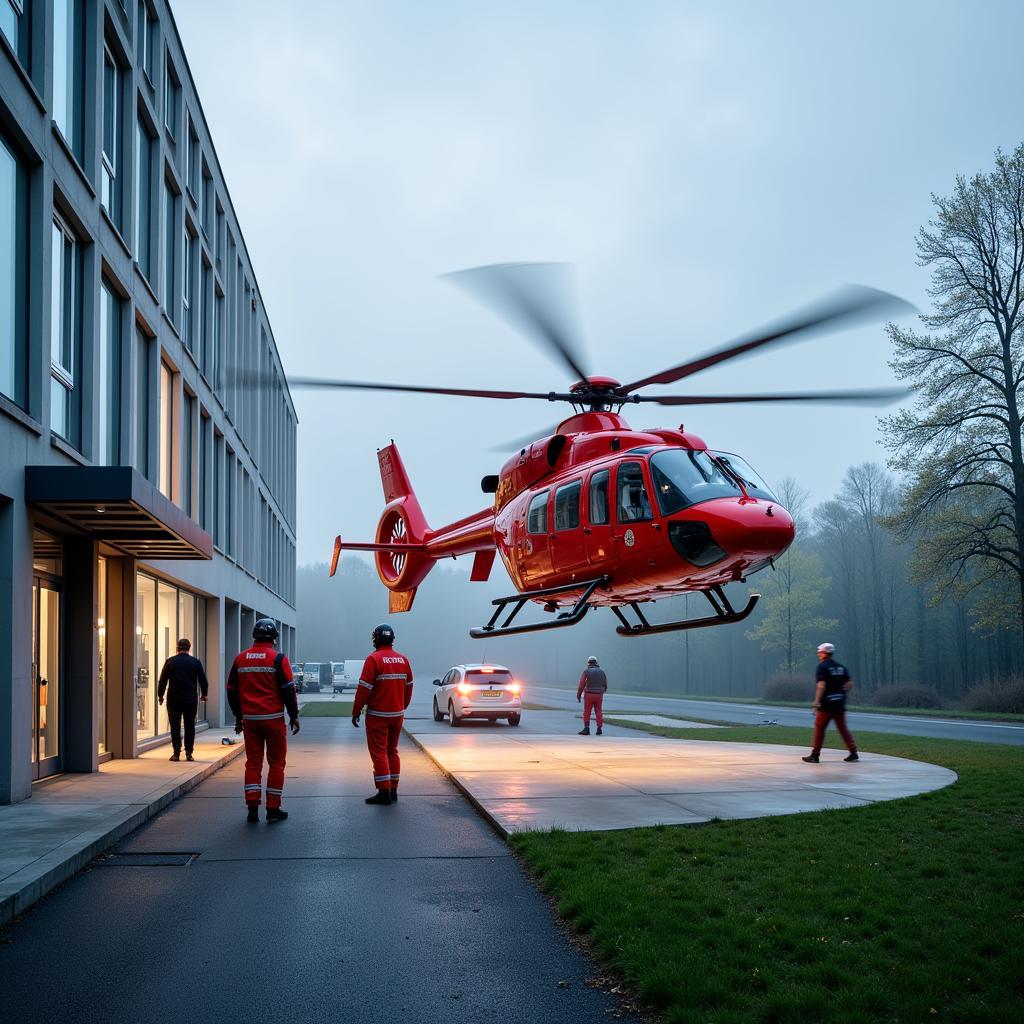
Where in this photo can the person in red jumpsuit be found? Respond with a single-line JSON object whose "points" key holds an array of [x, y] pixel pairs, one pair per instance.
{"points": [[260, 691], [385, 689], [593, 686]]}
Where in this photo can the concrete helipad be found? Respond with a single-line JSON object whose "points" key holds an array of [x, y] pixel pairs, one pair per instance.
{"points": [[523, 780]]}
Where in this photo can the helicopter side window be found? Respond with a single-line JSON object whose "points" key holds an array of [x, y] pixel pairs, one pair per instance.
{"points": [[537, 517], [634, 504], [683, 478], [567, 506], [599, 499]]}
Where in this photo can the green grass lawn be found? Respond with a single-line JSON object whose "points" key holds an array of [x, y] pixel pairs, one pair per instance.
{"points": [[905, 911], [325, 709]]}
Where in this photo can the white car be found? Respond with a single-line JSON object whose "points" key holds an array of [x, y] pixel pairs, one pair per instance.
{"points": [[477, 691]]}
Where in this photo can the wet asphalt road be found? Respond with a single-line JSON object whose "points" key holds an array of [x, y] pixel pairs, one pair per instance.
{"points": [[343, 913], [754, 714]]}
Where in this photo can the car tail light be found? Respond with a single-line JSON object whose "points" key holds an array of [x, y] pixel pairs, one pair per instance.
{"points": [[464, 689], [515, 687]]}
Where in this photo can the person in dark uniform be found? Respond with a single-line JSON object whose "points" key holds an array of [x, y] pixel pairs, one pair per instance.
{"points": [[833, 684], [183, 680]]}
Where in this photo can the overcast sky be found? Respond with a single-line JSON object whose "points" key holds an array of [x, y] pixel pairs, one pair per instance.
{"points": [[706, 167]]}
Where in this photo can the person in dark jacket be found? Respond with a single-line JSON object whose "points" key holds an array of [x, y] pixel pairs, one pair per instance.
{"points": [[592, 688], [832, 685], [183, 680]]}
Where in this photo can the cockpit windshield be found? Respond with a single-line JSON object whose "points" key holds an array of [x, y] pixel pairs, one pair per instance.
{"points": [[754, 485], [683, 478]]}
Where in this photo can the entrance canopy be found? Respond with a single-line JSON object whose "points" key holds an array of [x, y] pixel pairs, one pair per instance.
{"points": [[119, 506]]}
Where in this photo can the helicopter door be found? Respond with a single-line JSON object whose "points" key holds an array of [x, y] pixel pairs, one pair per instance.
{"points": [[637, 534], [568, 550], [597, 530], [534, 551]]}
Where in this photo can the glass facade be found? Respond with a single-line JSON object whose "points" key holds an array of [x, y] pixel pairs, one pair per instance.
{"points": [[13, 268], [164, 613], [144, 149], [69, 72], [166, 431], [65, 332], [108, 404], [14, 24], [102, 590], [143, 400], [110, 185]]}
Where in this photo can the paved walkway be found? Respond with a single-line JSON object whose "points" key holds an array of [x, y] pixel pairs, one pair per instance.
{"points": [[69, 821], [543, 776], [344, 912]]}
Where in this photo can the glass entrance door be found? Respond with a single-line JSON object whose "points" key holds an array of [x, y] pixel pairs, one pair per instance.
{"points": [[46, 678]]}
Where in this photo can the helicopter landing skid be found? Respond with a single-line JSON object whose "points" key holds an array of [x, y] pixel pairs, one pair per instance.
{"points": [[724, 614], [518, 601]]}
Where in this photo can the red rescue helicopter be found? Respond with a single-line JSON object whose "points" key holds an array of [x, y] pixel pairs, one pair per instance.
{"points": [[598, 514]]}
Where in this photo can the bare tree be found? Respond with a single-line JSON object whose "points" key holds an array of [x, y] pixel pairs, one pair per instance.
{"points": [[960, 447]]}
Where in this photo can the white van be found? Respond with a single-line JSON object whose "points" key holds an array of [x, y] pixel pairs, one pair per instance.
{"points": [[345, 675]]}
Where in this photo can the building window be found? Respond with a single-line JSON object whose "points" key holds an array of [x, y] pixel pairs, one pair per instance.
{"points": [[204, 465], [203, 315], [110, 194], [170, 246], [69, 73], [166, 430], [207, 211], [65, 332], [13, 272], [108, 398], [143, 404], [229, 502], [172, 100], [187, 310], [144, 150], [145, 40], [218, 240], [187, 452], [218, 488], [192, 159], [14, 24], [218, 339]]}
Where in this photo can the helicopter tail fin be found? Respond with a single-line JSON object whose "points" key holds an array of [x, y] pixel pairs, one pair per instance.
{"points": [[401, 558]]}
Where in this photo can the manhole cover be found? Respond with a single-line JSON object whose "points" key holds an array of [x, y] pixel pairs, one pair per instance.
{"points": [[148, 860]]}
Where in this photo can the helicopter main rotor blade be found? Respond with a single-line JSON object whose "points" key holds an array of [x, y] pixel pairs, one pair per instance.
{"points": [[846, 307], [363, 385], [863, 396], [518, 443], [536, 298]]}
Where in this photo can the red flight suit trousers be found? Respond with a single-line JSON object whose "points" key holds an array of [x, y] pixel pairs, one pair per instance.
{"points": [[271, 735], [382, 742]]}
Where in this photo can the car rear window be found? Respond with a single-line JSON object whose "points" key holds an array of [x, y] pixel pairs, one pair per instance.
{"points": [[497, 678]]}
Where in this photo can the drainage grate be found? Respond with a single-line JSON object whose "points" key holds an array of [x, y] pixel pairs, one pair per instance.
{"points": [[148, 860]]}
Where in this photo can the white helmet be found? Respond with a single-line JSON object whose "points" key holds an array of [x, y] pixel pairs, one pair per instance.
{"points": [[592, 660], [826, 648]]}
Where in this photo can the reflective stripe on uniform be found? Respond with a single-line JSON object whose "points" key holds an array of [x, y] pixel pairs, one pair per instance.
{"points": [[394, 675], [385, 714], [369, 686], [262, 718], [257, 668]]}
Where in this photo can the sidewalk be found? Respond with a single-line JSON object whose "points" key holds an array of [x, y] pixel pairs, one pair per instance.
{"points": [[74, 818]]}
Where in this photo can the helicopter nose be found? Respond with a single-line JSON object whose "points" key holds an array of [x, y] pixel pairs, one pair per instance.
{"points": [[716, 529]]}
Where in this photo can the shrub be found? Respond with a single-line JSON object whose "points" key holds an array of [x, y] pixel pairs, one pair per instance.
{"points": [[1002, 695], [789, 687], [906, 696]]}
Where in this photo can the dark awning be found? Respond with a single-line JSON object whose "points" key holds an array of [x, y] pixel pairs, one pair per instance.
{"points": [[119, 506]]}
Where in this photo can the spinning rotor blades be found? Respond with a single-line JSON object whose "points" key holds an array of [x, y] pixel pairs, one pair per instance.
{"points": [[863, 396], [362, 385], [536, 298], [846, 307]]}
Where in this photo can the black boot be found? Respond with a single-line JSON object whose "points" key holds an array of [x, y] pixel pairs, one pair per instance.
{"points": [[276, 814], [174, 757], [599, 730], [852, 756], [394, 795], [811, 759], [382, 796], [585, 731], [254, 813]]}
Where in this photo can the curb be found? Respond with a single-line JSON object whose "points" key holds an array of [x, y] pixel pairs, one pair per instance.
{"points": [[453, 779], [68, 865]]}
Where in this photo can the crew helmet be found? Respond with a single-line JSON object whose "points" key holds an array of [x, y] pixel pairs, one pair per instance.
{"points": [[265, 631], [592, 660], [826, 648], [382, 635]]}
